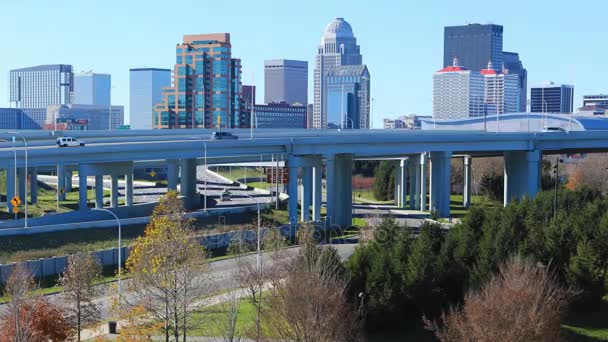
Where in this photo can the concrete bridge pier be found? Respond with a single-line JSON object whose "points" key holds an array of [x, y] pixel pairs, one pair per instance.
{"points": [[421, 183], [114, 191], [411, 172], [129, 188], [306, 193], [98, 191], [10, 187], [68, 180], [22, 184], [317, 189], [82, 186], [98, 170], [401, 183], [468, 182], [33, 185], [188, 187], [521, 174], [339, 175], [61, 181], [172, 174], [440, 182], [293, 190]]}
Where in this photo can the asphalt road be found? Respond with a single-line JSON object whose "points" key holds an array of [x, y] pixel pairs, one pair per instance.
{"points": [[222, 276]]}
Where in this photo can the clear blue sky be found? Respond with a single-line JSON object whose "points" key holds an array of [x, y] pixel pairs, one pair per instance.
{"points": [[401, 41]]}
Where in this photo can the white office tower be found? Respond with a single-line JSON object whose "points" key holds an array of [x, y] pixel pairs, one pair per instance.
{"points": [[501, 91], [457, 93]]}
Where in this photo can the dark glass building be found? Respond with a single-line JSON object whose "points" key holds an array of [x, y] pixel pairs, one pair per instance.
{"points": [[552, 98], [248, 102], [474, 45], [514, 66], [280, 115]]}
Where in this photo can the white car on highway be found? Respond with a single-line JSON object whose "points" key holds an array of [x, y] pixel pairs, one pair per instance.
{"points": [[69, 142]]}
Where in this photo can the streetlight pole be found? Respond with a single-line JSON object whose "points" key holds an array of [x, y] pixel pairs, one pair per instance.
{"points": [[24, 195], [119, 248], [352, 123]]}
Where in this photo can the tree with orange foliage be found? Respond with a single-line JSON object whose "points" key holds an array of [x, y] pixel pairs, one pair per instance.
{"points": [[168, 270], [29, 317]]}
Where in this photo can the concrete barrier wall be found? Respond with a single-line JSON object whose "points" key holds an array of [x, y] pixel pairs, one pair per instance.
{"points": [[102, 220], [109, 257]]}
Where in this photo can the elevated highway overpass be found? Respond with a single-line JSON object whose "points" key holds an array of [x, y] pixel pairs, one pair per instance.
{"points": [[310, 154]]}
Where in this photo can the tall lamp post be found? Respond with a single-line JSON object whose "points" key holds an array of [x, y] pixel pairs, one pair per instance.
{"points": [[119, 248], [24, 195], [352, 123]]}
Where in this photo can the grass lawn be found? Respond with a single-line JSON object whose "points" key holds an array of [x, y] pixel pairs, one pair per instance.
{"points": [[47, 203], [367, 195], [589, 324], [237, 172], [457, 210], [214, 318]]}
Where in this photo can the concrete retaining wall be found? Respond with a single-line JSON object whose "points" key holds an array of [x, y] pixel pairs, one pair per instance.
{"points": [[46, 267]]}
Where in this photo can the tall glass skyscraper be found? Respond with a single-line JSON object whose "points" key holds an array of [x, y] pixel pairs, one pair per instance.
{"points": [[35, 88], [338, 47], [145, 90], [206, 88], [347, 96], [474, 45], [92, 89], [513, 64]]}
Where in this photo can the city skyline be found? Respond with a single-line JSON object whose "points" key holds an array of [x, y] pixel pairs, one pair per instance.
{"points": [[115, 50]]}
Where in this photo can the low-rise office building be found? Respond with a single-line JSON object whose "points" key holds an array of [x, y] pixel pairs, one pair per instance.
{"points": [[280, 115], [98, 117]]}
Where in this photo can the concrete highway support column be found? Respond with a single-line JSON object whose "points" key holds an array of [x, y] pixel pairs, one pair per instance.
{"points": [[317, 189], [330, 192], [188, 183], [114, 191], [10, 187], [98, 191], [68, 180], [440, 185], [396, 186], [33, 185], [82, 187], [411, 168], [61, 181], [468, 182], [306, 193], [129, 188], [522, 174], [422, 186], [402, 174], [339, 176], [22, 184], [293, 191], [172, 174]]}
